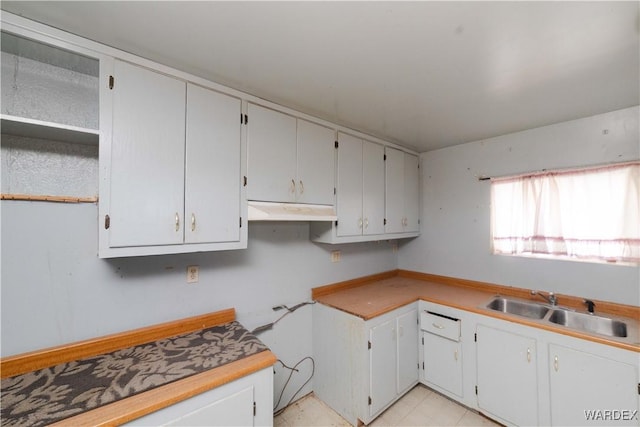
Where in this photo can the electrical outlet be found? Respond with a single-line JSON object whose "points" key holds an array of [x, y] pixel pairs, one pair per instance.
{"points": [[192, 273], [335, 256]]}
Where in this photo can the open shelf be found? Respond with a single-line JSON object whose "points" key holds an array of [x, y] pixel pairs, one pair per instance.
{"points": [[40, 129]]}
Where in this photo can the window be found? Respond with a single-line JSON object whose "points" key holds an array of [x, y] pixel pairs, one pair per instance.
{"points": [[590, 214]]}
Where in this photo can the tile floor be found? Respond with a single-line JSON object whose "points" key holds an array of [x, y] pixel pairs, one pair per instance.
{"points": [[420, 407]]}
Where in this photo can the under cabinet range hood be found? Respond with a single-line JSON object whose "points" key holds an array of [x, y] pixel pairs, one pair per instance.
{"points": [[271, 211]]}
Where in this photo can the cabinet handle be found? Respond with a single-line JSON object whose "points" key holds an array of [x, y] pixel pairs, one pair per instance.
{"points": [[301, 187], [359, 222], [366, 223], [437, 325], [528, 355], [455, 355], [293, 186], [177, 222], [555, 363], [193, 222]]}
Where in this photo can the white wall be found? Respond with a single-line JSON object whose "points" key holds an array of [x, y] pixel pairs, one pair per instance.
{"points": [[455, 213], [55, 290]]}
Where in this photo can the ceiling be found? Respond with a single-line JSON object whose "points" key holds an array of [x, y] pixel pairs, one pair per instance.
{"points": [[422, 74]]}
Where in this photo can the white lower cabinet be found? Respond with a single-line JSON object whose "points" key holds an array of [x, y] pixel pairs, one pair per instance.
{"points": [[362, 367], [442, 350], [507, 375], [247, 401], [591, 388]]}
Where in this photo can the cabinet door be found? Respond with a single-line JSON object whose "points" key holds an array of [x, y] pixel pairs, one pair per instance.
{"points": [[443, 363], [349, 186], [372, 188], [411, 193], [383, 359], [316, 163], [582, 382], [212, 176], [233, 410], [507, 375], [394, 190], [147, 158], [407, 350], [271, 152]]}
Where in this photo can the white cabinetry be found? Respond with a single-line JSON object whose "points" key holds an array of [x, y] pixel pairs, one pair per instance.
{"points": [[360, 187], [402, 196], [367, 190], [442, 351], [170, 180], [289, 159], [362, 367], [507, 375], [246, 401], [394, 359], [359, 194], [592, 388]]}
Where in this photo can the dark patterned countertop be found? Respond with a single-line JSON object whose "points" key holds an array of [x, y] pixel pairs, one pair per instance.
{"points": [[52, 394]]}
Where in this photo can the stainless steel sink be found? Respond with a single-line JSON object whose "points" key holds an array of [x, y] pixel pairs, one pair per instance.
{"points": [[531, 310], [589, 323]]}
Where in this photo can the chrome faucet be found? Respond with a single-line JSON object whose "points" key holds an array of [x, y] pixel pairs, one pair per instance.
{"points": [[550, 297]]}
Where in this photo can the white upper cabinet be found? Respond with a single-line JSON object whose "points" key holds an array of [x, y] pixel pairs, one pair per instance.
{"points": [[170, 174], [402, 192], [377, 194], [271, 146], [411, 193], [360, 187], [147, 158], [394, 190], [349, 186], [316, 163], [212, 174], [372, 188], [290, 160]]}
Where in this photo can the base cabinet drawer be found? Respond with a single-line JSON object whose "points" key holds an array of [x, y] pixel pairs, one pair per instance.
{"points": [[440, 324]]}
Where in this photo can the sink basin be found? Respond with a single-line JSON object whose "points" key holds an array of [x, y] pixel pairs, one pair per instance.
{"points": [[531, 310], [589, 323]]}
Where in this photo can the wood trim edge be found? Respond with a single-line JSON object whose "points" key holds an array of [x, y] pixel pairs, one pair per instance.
{"points": [[31, 361], [349, 284], [133, 407], [45, 198]]}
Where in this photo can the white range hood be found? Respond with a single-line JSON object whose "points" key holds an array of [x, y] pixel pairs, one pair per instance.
{"points": [[271, 211]]}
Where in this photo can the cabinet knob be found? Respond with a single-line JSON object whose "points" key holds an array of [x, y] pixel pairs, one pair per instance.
{"points": [[293, 187], [193, 222], [437, 326], [366, 223], [359, 222], [528, 355], [177, 222], [555, 363], [301, 187], [455, 355]]}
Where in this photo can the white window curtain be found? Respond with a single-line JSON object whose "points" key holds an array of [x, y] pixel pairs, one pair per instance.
{"points": [[588, 214]]}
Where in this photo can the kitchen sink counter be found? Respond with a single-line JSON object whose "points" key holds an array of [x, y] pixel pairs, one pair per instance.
{"points": [[374, 295], [103, 382]]}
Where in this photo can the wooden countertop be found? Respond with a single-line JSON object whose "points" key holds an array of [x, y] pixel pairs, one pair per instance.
{"points": [[372, 296], [130, 408]]}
